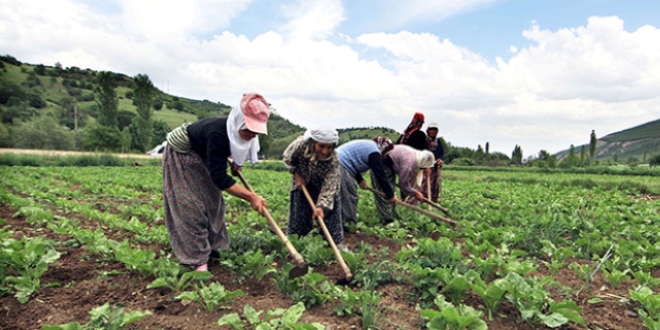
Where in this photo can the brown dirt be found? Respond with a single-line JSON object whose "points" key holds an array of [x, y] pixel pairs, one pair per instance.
{"points": [[84, 284]]}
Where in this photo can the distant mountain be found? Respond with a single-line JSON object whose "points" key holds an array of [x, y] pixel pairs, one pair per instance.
{"points": [[638, 142]]}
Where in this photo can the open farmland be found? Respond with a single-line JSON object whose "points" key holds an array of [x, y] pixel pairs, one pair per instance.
{"points": [[530, 251]]}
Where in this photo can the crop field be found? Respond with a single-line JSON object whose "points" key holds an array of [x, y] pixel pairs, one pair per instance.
{"points": [[87, 248]]}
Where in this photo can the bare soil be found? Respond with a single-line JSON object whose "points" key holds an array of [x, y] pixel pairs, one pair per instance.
{"points": [[84, 283]]}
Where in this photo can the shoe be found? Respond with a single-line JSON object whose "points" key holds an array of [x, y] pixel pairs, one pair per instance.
{"points": [[342, 247], [202, 268]]}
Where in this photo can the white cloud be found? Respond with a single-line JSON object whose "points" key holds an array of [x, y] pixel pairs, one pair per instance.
{"points": [[174, 19], [546, 96], [312, 19]]}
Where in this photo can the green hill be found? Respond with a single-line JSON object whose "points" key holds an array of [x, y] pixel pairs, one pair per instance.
{"points": [[639, 142], [30, 90]]}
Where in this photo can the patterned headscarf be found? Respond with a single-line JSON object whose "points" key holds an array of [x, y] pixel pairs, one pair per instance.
{"points": [[415, 124], [385, 145]]}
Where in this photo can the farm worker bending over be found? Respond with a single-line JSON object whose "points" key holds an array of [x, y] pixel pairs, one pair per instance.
{"points": [[413, 135], [314, 163], [436, 148], [408, 163], [195, 173], [356, 157]]}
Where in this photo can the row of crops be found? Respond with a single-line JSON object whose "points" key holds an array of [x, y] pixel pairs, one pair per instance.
{"points": [[531, 250]]}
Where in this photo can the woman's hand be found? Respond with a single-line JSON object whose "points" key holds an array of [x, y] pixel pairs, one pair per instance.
{"points": [[318, 212], [298, 180], [393, 200], [363, 184], [258, 204], [235, 169], [419, 196]]}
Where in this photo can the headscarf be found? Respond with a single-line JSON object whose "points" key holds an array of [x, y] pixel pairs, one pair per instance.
{"points": [[425, 159], [321, 134], [384, 144], [416, 123], [241, 150]]}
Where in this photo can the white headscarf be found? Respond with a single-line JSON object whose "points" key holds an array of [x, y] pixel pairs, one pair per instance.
{"points": [[425, 159], [323, 135], [241, 150]]}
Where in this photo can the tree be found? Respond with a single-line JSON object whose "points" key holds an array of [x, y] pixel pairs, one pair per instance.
{"points": [[517, 155], [161, 129], [266, 140], [43, 133], [592, 144], [583, 155], [144, 91], [571, 159], [106, 98], [67, 114], [102, 138], [654, 161], [487, 148]]}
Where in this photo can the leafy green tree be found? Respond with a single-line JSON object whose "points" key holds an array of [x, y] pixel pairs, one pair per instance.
{"points": [[571, 159], [125, 118], [517, 155], [18, 110], [487, 148], [106, 98], [4, 135], [144, 91], [583, 155], [40, 69], [266, 140], [43, 132], [158, 104], [102, 138], [8, 90], [160, 132], [592, 144], [654, 161], [67, 112]]}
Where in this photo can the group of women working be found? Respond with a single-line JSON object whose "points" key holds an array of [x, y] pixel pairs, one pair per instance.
{"points": [[198, 156]]}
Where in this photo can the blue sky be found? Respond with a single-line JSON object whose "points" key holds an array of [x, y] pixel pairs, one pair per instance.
{"points": [[537, 73]]}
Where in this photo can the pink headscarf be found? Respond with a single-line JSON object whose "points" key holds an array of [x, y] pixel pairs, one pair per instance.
{"points": [[384, 144]]}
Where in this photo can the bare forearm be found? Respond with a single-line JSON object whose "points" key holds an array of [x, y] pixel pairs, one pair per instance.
{"points": [[237, 190]]}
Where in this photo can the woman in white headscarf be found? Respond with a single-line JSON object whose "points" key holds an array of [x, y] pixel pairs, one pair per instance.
{"points": [[409, 164], [195, 174], [312, 160]]}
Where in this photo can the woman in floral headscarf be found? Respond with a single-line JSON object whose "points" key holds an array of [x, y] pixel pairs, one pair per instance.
{"points": [[409, 164], [314, 163], [413, 135], [356, 157]]}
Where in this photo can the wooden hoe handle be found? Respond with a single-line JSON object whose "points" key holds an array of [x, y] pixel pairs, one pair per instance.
{"points": [[292, 250], [340, 259], [413, 207]]}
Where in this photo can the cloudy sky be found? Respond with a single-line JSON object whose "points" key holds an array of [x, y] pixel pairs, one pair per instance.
{"points": [[541, 74]]}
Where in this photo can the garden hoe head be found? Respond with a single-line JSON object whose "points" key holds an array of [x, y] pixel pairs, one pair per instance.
{"points": [[300, 268]]}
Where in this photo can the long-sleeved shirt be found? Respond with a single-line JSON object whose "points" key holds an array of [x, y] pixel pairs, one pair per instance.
{"points": [[358, 156], [321, 175], [403, 160], [436, 147], [208, 138]]}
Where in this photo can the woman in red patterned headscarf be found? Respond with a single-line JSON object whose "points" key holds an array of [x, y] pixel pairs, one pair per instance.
{"points": [[413, 135]]}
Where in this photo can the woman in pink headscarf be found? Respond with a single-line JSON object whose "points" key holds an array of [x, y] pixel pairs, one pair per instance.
{"points": [[195, 174]]}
